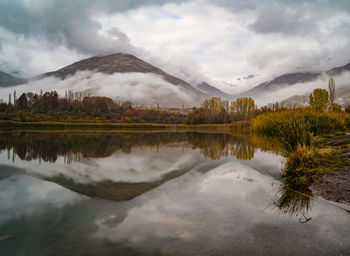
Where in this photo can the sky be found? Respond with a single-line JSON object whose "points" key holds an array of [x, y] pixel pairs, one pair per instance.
{"points": [[196, 40]]}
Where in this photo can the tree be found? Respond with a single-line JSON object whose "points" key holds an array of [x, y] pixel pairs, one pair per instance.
{"points": [[243, 108], [335, 108], [22, 101], [331, 88], [319, 99]]}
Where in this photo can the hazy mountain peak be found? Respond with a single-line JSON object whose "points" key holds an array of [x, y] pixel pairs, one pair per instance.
{"points": [[338, 70], [9, 80]]}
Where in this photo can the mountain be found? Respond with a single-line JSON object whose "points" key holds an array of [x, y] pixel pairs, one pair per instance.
{"points": [[342, 98], [9, 80], [280, 82], [338, 70], [212, 91], [183, 94]]}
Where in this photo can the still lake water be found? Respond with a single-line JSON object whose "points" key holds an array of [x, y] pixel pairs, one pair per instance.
{"points": [[118, 193]]}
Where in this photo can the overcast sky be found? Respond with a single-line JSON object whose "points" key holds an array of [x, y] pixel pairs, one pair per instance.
{"points": [[193, 39]]}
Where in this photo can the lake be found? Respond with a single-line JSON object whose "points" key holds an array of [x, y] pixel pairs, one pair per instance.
{"points": [[157, 193]]}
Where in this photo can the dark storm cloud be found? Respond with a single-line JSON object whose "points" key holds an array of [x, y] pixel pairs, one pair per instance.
{"points": [[70, 23], [276, 18], [296, 16]]}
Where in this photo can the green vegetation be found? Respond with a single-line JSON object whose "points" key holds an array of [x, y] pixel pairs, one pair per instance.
{"points": [[319, 99]]}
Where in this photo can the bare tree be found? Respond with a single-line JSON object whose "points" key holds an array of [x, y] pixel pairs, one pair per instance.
{"points": [[331, 88]]}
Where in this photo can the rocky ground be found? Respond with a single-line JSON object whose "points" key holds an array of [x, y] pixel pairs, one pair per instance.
{"points": [[335, 186]]}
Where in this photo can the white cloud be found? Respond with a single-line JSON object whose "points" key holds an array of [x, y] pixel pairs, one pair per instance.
{"points": [[194, 40], [145, 89]]}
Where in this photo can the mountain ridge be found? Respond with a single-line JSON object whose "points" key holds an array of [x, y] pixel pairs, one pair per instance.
{"points": [[116, 63], [286, 80], [7, 80]]}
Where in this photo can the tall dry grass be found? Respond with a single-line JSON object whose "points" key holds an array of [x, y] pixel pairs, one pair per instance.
{"points": [[296, 126]]}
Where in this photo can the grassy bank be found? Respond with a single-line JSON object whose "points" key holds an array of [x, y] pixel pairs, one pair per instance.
{"points": [[113, 126], [297, 126], [240, 126], [306, 158]]}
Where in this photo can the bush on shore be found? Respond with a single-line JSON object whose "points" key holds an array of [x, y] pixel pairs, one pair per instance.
{"points": [[296, 126], [304, 165]]}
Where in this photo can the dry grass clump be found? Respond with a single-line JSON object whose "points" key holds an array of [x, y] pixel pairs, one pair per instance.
{"points": [[305, 164], [296, 126]]}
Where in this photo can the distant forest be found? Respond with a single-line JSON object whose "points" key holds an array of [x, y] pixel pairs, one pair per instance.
{"points": [[49, 106]]}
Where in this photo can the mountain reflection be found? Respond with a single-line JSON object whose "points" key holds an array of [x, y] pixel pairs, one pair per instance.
{"points": [[79, 146], [117, 166]]}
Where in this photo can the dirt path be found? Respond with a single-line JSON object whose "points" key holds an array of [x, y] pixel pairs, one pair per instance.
{"points": [[334, 187]]}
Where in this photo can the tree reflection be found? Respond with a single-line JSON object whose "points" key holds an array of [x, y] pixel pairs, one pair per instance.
{"points": [[78, 146], [217, 145], [48, 146]]}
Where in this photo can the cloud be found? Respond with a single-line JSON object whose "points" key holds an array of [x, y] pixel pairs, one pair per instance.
{"points": [[23, 196], [147, 89], [193, 39], [72, 24], [277, 18], [142, 164], [342, 82]]}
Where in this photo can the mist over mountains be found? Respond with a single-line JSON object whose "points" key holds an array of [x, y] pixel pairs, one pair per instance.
{"points": [[124, 77]]}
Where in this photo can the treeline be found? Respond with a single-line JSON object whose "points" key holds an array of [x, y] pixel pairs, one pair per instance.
{"points": [[50, 107], [217, 111]]}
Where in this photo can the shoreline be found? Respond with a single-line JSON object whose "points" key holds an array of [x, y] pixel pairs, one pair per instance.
{"points": [[11, 125], [335, 186]]}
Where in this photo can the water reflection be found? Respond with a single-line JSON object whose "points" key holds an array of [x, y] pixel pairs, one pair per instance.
{"points": [[115, 165], [77, 147], [167, 193], [224, 211]]}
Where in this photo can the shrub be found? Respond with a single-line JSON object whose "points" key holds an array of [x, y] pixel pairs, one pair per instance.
{"points": [[303, 165], [296, 126], [347, 109]]}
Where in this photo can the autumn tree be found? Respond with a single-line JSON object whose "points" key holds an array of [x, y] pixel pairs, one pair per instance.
{"points": [[22, 101], [319, 99], [243, 109]]}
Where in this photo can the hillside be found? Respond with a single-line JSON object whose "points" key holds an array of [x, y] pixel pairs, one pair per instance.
{"points": [[342, 98], [171, 92], [118, 63], [281, 82], [338, 70], [7, 80], [213, 91]]}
